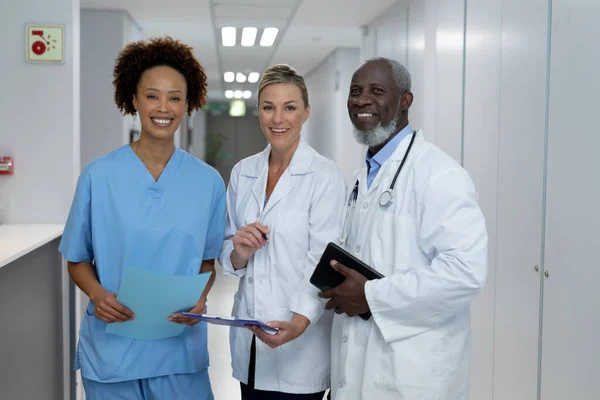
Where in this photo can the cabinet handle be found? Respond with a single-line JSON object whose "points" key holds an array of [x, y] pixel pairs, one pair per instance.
{"points": [[546, 274], [537, 268]]}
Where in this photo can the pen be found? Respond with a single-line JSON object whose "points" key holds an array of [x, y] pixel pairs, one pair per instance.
{"points": [[265, 237]]}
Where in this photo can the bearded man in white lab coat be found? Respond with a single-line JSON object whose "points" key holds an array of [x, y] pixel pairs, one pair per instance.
{"points": [[429, 241]]}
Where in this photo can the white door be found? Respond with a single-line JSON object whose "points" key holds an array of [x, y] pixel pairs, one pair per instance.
{"points": [[520, 198], [571, 309]]}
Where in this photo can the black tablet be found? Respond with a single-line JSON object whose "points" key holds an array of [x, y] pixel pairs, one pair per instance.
{"points": [[325, 277]]}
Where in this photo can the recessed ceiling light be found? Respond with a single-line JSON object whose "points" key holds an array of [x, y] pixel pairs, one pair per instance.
{"points": [[229, 94], [229, 76], [268, 37], [228, 36], [238, 94], [241, 78], [247, 94], [249, 36], [253, 77]]}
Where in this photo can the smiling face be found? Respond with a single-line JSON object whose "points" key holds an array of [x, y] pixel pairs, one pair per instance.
{"points": [[376, 103], [282, 114], [161, 101]]}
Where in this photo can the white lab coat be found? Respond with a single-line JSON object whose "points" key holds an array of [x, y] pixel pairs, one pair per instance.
{"points": [[303, 215], [431, 246]]}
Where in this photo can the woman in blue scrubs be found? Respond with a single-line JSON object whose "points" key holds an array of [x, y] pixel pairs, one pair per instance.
{"points": [[152, 206]]}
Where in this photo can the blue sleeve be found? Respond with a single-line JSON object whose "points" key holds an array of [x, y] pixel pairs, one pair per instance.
{"points": [[216, 226], [76, 243]]}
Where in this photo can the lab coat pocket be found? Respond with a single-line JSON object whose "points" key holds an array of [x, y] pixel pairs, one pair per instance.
{"points": [[391, 241], [305, 360], [408, 367]]}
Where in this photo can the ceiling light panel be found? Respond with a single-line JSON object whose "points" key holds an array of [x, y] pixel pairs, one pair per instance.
{"points": [[240, 78], [249, 36], [229, 76], [228, 36], [253, 77], [268, 37]]}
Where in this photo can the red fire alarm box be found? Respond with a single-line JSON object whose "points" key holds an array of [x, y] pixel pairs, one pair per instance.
{"points": [[7, 166]]}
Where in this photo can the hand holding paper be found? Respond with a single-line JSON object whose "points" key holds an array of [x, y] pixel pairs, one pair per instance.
{"points": [[108, 308], [154, 298]]}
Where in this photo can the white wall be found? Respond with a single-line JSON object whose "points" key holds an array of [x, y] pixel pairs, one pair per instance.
{"points": [[103, 34], [40, 115], [329, 129]]}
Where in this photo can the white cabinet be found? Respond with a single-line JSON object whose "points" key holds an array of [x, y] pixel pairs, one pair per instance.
{"points": [[520, 198], [570, 367], [512, 88], [480, 148]]}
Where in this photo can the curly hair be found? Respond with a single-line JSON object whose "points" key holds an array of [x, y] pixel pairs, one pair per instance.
{"points": [[140, 56]]}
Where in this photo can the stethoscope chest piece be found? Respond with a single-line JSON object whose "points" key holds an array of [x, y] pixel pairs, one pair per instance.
{"points": [[386, 198]]}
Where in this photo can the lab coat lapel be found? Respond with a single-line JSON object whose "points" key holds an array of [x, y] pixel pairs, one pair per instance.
{"points": [[259, 170], [284, 186], [301, 164]]}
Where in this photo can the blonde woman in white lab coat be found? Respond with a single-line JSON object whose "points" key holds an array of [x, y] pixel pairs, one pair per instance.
{"points": [[283, 206]]}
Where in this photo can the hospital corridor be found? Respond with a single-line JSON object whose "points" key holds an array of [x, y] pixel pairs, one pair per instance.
{"points": [[299, 199]]}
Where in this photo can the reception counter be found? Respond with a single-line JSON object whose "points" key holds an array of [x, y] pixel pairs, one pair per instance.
{"points": [[19, 240], [36, 309]]}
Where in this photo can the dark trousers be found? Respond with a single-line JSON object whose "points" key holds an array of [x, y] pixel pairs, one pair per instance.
{"points": [[250, 393]]}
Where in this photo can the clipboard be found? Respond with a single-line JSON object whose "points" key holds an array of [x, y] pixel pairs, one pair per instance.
{"points": [[325, 277], [231, 321]]}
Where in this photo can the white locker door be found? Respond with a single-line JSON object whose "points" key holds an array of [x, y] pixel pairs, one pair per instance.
{"points": [[520, 198], [571, 309], [480, 149]]}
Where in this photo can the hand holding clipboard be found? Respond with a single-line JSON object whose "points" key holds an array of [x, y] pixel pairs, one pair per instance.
{"points": [[343, 283]]}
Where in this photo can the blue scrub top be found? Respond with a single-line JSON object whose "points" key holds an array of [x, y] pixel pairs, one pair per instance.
{"points": [[121, 217]]}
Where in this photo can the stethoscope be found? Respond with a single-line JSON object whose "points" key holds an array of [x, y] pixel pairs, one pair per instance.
{"points": [[385, 199]]}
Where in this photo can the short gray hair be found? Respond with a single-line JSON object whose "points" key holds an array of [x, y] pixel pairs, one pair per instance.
{"points": [[399, 71]]}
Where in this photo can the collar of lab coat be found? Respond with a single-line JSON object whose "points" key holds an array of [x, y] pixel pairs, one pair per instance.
{"points": [[301, 163], [391, 164], [258, 167]]}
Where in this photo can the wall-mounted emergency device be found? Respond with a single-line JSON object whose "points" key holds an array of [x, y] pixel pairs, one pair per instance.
{"points": [[7, 165]]}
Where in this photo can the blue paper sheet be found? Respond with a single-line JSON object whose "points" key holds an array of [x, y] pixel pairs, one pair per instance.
{"points": [[154, 298]]}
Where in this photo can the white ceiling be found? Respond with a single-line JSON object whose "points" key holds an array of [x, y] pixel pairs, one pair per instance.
{"points": [[309, 30]]}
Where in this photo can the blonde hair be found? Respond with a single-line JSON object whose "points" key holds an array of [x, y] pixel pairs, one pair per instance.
{"points": [[283, 73]]}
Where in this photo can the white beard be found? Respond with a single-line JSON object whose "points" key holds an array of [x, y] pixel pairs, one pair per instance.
{"points": [[376, 136]]}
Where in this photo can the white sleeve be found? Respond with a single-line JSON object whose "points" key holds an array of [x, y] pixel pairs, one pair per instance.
{"points": [[231, 227], [452, 227], [325, 216]]}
